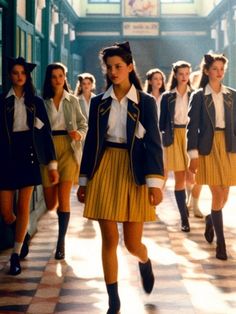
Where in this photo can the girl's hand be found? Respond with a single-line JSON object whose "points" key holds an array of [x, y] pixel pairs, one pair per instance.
{"points": [[53, 176], [75, 135], [81, 193], [194, 165], [155, 196]]}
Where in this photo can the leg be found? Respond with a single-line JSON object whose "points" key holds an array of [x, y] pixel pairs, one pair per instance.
{"points": [[64, 190], [195, 198], [219, 198], [51, 197], [110, 239], [22, 220], [133, 241], [180, 196], [6, 206]]}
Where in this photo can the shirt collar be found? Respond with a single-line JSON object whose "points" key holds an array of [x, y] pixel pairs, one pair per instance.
{"points": [[209, 90], [175, 90], [12, 93], [65, 95], [132, 94]]}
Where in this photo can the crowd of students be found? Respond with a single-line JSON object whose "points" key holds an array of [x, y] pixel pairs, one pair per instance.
{"points": [[121, 144]]}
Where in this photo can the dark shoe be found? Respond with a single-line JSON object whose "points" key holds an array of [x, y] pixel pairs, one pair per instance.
{"points": [[25, 247], [110, 311], [147, 276], [15, 268], [209, 230], [185, 226], [60, 252], [221, 252]]}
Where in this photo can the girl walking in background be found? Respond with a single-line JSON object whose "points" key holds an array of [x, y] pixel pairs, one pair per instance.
{"points": [[155, 85], [121, 170], [173, 121], [69, 128], [25, 138], [84, 91], [212, 142]]}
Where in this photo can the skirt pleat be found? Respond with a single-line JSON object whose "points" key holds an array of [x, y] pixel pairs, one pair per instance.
{"points": [[112, 193], [219, 167], [175, 155]]}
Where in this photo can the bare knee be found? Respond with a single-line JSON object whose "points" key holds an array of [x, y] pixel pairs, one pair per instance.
{"points": [[132, 247]]}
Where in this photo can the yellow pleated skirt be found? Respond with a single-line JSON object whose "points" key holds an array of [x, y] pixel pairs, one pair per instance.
{"points": [[67, 166], [175, 155], [112, 193], [219, 167]]}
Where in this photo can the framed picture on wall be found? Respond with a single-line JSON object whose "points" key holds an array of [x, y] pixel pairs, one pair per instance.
{"points": [[141, 8]]}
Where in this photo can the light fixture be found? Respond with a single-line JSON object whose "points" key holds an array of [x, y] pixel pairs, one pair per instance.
{"points": [[41, 4], [223, 25], [213, 33], [55, 17], [72, 34], [65, 28]]}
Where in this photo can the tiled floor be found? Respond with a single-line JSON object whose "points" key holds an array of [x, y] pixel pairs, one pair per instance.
{"points": [[188, 277]]}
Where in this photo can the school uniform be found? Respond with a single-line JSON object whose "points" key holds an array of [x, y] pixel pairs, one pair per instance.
{"points": [[122, 156], [25, 141], [212, 135], [173, 121], [85, 106], [67, 118]]}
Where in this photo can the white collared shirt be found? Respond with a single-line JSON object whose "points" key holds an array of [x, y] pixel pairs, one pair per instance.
{"points": [[181, 107], [118, 114], [218, 100], [57, 115], [20, 115]]}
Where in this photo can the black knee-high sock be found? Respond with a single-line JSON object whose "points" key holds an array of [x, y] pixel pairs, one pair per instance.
{"points": [[63, 221], [217, 220], [180, 197], [114, 300]]}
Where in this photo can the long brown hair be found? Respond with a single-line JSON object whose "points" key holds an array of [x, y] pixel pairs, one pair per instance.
{"points": [[175, 66]]}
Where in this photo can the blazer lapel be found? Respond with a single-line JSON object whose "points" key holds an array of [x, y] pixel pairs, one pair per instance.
{"points": [[103, 114], [133, 113], [228, 107], [210, 108], [30, 111], [171, 104], [9, 112]]}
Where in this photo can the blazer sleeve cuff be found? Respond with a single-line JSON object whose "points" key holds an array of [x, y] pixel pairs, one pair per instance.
{"points": [[155, 182], [83, 181], [193, 153]]}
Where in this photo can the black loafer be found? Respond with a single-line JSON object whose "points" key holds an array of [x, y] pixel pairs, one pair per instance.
{"points": [[15, 268], [25, 247], [147, 276], [209, 230], [221, 252], [185, 226], [60, 252]]}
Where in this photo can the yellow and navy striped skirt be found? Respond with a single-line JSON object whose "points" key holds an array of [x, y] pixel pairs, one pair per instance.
{"points": [[112, 193], [67, 166], [175, 155], [219, 167]]}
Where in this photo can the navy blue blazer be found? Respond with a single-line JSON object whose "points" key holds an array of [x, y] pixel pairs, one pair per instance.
{"points": [[145, 153], [201, 126], [166, 122], [42, 138]]}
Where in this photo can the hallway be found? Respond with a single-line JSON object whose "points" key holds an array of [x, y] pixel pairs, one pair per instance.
{"points": [[188, 277]]}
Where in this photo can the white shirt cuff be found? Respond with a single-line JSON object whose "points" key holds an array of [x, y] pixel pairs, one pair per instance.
{"points": [[155, 183], [193, 153], [83, 181], [52, 165]]}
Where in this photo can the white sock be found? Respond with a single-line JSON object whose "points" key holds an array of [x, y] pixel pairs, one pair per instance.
{"points": [[17, 247]]}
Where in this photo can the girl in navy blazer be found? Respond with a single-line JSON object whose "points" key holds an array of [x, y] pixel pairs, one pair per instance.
{"points": [[173, 121], [212, 142], [121, 169], [25, 138]]}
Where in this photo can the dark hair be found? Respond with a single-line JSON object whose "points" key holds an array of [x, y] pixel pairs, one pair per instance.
{"points": [[81, 77], [48, 91], [175, 66], [207, 62], [149, 75], [123, 51], [29, 89]]}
